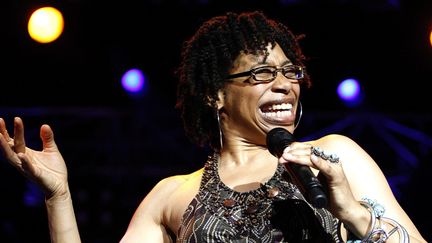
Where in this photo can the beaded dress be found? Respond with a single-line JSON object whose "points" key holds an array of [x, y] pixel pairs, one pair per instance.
{"points": [[275, 212]]}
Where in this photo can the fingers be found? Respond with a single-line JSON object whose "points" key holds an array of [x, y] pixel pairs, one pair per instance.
{"points": [[328, 166], [297, 152], [306, 154], [27, 167], [8, 153], [47, 136], [323, 165], [4, 146], [3, 129], [19, 142]]}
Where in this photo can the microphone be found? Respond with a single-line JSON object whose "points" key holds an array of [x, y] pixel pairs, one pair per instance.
{"points": [[277, 140]]}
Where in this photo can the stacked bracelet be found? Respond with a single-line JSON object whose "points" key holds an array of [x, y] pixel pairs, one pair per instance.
{"points": [[376, 234], [403, 234]]}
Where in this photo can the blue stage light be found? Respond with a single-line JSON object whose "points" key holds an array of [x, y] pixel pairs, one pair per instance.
{"points": [[133, 81], [349, 92]]}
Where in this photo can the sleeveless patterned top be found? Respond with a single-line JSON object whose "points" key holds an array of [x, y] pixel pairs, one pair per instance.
{"points": [[275, 212]]}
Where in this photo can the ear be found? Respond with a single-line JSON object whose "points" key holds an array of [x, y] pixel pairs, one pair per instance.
{"points": [[221, 99]]}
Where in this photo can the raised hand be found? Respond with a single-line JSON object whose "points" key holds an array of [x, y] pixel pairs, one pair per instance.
{"points": [[46, 168]]}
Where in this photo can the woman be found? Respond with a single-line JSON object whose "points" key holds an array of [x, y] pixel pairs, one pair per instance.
{"points": [[240, 77]]}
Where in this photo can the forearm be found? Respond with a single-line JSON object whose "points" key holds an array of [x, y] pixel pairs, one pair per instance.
{"points": [[393, 238], [363, 224], [61, 219]]}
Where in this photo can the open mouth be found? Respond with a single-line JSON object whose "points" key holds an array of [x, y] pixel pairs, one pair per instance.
{"points": [[277, 112]]}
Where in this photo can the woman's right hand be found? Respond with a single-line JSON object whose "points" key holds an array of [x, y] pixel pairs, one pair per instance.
{"points": [[47, 168]]}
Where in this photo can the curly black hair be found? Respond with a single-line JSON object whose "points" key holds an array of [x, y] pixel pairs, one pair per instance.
{"points": [[209, 54]]}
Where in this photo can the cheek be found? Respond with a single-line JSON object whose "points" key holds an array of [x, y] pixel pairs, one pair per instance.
{"points": [[296, 89], [242, 99], [241, 106]]}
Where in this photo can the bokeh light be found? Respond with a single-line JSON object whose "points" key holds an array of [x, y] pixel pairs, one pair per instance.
{"points": [[349, 92], [133, 81], [430, 38], [45, 24]]}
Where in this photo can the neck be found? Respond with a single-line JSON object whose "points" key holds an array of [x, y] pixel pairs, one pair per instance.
{"points": [[245, 167], [240, 153]]}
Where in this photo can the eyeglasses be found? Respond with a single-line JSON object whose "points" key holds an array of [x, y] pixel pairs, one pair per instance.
{"points": [[267, 74]]}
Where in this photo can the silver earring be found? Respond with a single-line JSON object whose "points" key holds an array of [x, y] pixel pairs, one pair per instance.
{"points": [[299, 114], [220, 130]]}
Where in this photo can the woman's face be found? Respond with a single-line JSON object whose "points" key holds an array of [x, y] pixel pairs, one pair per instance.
{"points": [[251, 110]]}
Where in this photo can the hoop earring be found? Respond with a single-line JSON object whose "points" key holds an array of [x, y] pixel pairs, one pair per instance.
{"points": [[299, 114], [220, 130]]}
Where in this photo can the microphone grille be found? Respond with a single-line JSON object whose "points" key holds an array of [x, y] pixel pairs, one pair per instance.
{"points": [[278, 139]]}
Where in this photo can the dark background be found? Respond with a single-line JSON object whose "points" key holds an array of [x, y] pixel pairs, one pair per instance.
{"points": [[118, 146]]}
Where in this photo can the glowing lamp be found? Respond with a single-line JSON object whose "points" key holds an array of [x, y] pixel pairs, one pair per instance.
{"points": [[430, 38], [133, 80], [349, 92], [45, 25]]}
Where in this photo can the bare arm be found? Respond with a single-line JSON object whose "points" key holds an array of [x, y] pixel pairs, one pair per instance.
{"points": [[367, 180], [354, 177], [47, 169], [61, 219], [149, 222]]}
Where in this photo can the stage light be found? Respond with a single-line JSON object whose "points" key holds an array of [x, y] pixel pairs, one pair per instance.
{"points": [[349, 92], [45, 24], [430, 38], [133, 81]]}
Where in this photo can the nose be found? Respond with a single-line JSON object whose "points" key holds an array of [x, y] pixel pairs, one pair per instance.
{"points": [[281, 84]]}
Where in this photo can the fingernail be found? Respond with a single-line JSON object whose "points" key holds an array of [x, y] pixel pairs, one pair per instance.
{"points": [[314, 158], [288, 156]]}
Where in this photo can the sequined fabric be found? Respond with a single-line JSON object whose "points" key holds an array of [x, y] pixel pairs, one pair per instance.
{"points": [[275, 212]]}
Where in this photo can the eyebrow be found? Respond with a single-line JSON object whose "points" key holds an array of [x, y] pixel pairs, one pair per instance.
{"points": [[286, 62]]}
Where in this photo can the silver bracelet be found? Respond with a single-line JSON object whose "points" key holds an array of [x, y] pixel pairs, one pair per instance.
{"points": [[376, 210], [378, 234], [403, 234]]}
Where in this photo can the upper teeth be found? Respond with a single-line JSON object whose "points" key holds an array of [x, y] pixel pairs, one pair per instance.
{"points": [[284, 106]]}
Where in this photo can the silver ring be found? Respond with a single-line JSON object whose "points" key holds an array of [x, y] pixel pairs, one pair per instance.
{"points": [[333, 158]]}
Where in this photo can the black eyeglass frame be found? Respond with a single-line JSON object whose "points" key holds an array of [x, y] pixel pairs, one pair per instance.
{"points": [[283, 70]]}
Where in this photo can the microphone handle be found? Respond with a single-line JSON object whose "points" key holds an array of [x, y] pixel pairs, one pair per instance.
{"points": [[312, 186], [277, 140]]}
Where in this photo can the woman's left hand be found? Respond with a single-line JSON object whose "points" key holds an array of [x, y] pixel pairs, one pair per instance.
{"points": [[331, 175]]}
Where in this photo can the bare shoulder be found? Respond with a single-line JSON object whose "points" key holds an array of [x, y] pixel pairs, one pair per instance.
{"points": [[153, 218], [169, 185], [357, 164], [336, 141], [346, 148]]}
